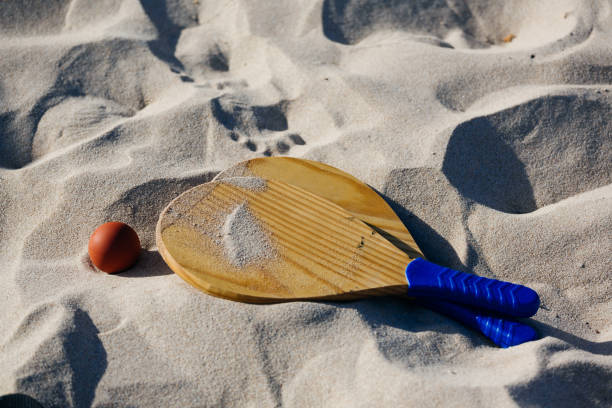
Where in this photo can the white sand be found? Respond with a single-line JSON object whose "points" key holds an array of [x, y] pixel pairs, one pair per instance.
{"points": [[247, 183], [497, 155], [244, 240]]}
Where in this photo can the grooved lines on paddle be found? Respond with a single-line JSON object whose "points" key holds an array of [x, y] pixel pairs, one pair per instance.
{"points": [[317, 229], [301, 241], [320, 233], [340, 188]]}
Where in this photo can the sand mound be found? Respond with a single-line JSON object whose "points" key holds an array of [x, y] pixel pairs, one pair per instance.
{"points": [[533, 154], [461, 24]]}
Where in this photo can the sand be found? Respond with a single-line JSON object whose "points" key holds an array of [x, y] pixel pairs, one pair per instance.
{"points": [[244, 240], [247, 183], [496, 154]]}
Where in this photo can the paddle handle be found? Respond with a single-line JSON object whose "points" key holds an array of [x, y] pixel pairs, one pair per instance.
{"points": [[426, 279], [503, 332]]}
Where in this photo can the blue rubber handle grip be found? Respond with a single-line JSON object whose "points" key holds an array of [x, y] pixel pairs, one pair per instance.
{"points": [[503, 332], [426, 279]]}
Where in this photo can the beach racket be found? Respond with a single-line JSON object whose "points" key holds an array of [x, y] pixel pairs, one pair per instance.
{"points": [[366, 204], [318, 251]]}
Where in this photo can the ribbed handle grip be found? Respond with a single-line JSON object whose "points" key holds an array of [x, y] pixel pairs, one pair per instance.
{"points": [[426, 279], [504, 333]]}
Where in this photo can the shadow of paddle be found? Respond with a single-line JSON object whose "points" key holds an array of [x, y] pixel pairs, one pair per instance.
{"points": [[415, 324], [603, 348], [435, 248]]}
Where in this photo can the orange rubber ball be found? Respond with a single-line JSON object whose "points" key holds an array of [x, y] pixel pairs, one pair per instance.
{"points": [[114, 247]]}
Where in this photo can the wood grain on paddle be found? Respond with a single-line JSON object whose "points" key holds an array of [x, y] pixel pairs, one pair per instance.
{"points": [[342, 189], [321, 250]]}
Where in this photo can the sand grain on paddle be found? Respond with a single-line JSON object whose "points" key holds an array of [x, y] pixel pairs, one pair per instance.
{"points": [[244, 239], [248, 183]]}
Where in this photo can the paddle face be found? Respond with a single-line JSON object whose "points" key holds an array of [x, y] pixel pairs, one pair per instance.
{"points": [[339, 187], [253, 240]]}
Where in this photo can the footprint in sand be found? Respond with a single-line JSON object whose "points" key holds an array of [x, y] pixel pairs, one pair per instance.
{"points": [[205, 57], [74, 120], [62, 124], [258, 128]]}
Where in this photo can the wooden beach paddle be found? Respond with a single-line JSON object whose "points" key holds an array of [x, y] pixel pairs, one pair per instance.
{"points": [[320, 252], [366, 204]]}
